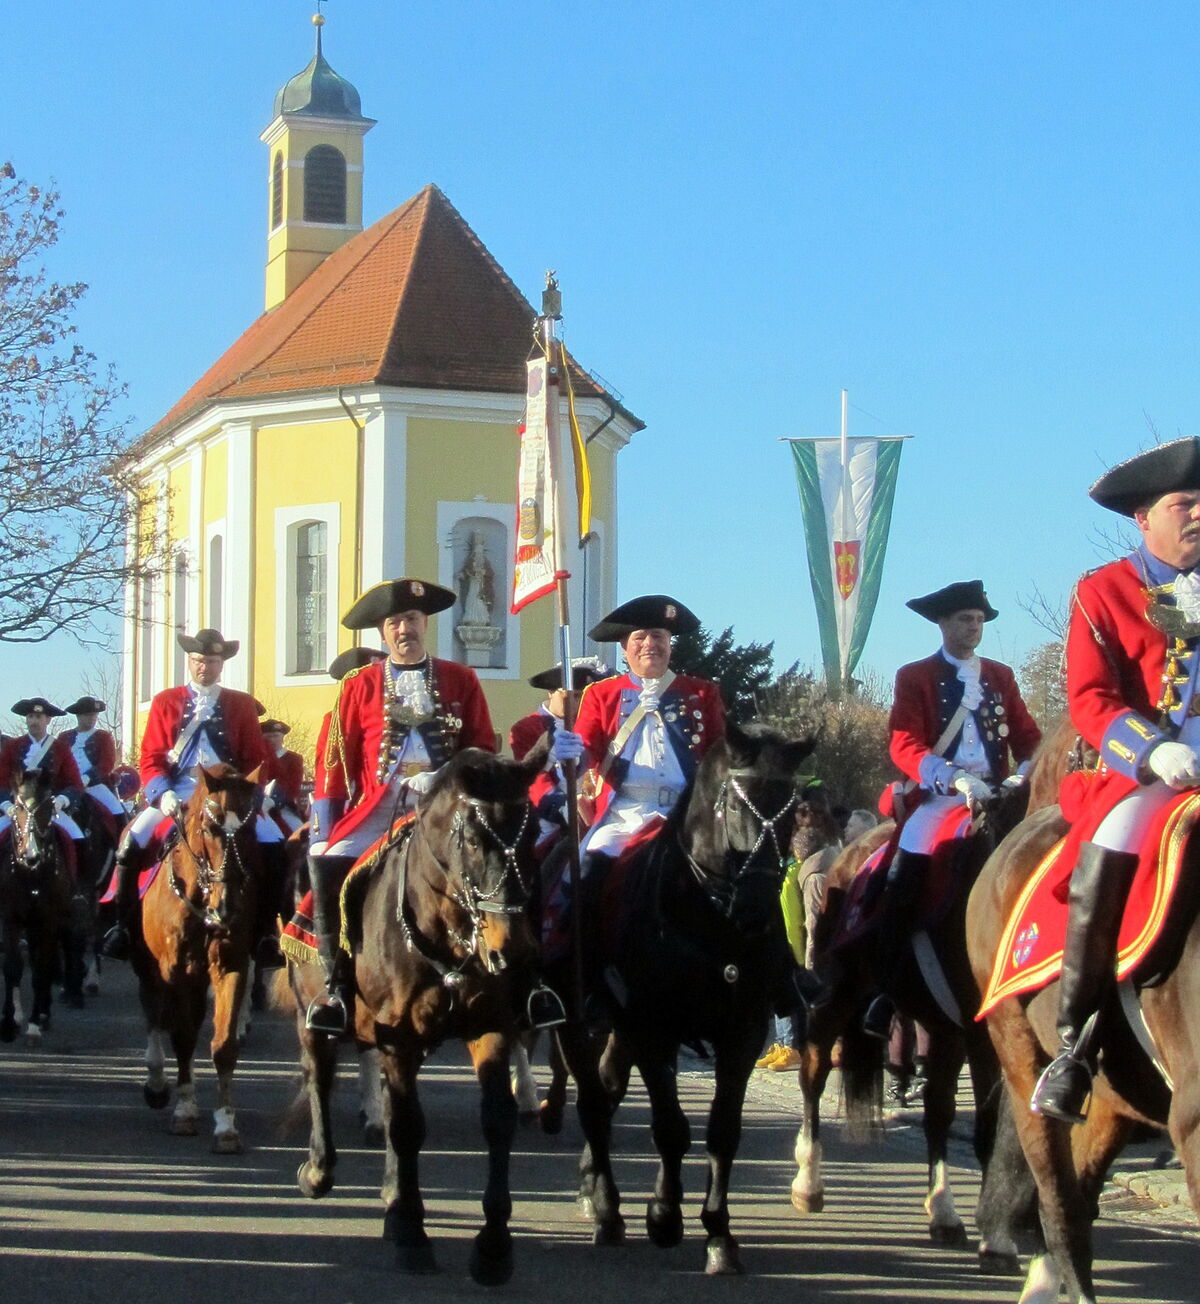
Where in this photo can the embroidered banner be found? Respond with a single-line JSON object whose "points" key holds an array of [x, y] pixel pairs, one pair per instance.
{"points": [[533, 563]]}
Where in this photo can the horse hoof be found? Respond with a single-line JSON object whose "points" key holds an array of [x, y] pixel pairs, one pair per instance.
{"points": [[226, 1143], [994, 1264], [183, 1125], [92, 987], [312, 1185], [808, 1202], [373, 1135], [33, 1035], [664, 1224], [552, 1118], [491, 1258], [610, 1233], [156, 1097], [951, 1235], [585, 1210], [721, 1258], [416, 1260]]}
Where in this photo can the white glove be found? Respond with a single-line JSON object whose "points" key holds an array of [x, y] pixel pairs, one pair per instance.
{"points": [[60, 803], [420, 783], [1014, 781], [1176, 764], [169, 802], [567, 746], [973, 788]]}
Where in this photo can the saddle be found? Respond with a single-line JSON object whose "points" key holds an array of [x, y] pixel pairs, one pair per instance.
{"points": [[1029, 955], [164, 837]]}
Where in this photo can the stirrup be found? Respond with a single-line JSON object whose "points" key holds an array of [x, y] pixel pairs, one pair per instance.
{"points": [[543, 1008], [877, 1022], [327, 1013], [116, 944], [1064, 1090]]}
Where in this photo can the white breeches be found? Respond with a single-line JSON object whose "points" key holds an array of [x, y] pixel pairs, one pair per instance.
{"points": [[921, 827], [106, 797], [146, 821], [1124, 827], [375, 825]]}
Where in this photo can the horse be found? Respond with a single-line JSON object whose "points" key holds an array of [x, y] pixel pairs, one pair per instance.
{"points": [[442, 947], [1053, 1172], [699, 953], [94, 861], [936, 988], [196, 932], [37, 904]]}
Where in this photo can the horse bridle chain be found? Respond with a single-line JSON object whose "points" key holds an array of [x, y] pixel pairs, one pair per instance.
{"points": [[767, 827], [206, 876], [26, 838]]}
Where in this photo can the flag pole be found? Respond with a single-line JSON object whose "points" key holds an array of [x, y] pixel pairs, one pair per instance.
{"points": [[844, 527], [551, 313]]}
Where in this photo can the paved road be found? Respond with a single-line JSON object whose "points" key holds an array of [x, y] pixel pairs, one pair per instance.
{"points": [[99, 1203]]}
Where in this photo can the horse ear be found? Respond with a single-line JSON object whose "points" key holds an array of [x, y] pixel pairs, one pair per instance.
{"points": [[742, 748], [797, 750], [535, 758], [255, 775]]}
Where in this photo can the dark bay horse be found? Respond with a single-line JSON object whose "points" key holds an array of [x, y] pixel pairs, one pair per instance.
{"points": [[1050, 1169], [37, 896], [935, 987], [196, 934], [700, 954], [443, 947]]}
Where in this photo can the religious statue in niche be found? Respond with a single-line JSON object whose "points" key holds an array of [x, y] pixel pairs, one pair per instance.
{"points": [[476, 584]]}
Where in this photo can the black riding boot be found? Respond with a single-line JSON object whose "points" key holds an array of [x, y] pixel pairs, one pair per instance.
{"points": [[906, 878], [116, 943], [1100, 884], [328, 1012], [270, 891], [595, 870]]}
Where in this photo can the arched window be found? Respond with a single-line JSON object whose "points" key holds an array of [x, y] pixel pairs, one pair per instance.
{"points": [[325, 185], [277, 191], [312, 594]]}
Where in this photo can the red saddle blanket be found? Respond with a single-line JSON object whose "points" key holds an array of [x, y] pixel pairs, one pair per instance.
{"points": [[158, 840], [1031, 946], [299, 942], [865, 894]]}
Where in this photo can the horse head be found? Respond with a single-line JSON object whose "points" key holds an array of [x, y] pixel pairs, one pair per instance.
{"points": [[739, 821], [32, 815], [481, 826], [219, 847]]}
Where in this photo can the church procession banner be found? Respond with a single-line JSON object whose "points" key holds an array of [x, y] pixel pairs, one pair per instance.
{"points": [[847, 487], [534, 561]]}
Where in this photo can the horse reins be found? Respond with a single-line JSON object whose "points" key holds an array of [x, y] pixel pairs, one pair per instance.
{"points": [[206, 876]]}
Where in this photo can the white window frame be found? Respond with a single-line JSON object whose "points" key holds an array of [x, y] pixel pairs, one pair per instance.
{"points": [[448, 516], [287, 521]]}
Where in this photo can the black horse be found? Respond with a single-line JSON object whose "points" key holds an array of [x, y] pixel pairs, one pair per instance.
{"points": [[37, 891], [700, 954]]}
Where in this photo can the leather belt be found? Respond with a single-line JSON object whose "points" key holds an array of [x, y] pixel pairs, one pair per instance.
{"points": [[659, 795], [407, 769]]}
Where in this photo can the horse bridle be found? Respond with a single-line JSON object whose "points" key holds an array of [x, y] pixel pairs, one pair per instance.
{"points": [[208, 876], [471, 900], [721, 888], [27, 838]]}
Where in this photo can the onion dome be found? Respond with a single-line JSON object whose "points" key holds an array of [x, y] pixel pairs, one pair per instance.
{"points": [[318, 90]]}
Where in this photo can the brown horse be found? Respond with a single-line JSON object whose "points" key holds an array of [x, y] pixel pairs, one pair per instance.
{"points": [[442, 947], [1049, 1165], [936, 988], [197, 931], [37, 895]]}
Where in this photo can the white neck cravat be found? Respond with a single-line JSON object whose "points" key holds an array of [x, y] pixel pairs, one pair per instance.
{"points": [[1187, 594]]}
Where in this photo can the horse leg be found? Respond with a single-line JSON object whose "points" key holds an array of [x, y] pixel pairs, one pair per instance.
{"points": [[184, 1007], [155, 1089], [554, 1101], [1007, 1204], [816, 1059], [599, 1198], [228, 990], [73, 942], [43, 959], [404, 1220], [524, 1084], [10, 1018], [491, 1254], [370, 1094], [942, 1066], [318, 1066], [672, 1138]]}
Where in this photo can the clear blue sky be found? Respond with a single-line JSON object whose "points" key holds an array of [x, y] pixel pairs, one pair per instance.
{"points": [[979, 219]]}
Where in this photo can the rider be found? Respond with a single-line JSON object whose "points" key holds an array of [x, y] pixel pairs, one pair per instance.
{"points": [[35, 749], [393, 725], [286, 785], [198, 723], [1132, 665], [95, 752], [957, 722]]}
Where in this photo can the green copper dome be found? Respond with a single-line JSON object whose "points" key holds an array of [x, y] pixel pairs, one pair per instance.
{"points": [[318, 90]]}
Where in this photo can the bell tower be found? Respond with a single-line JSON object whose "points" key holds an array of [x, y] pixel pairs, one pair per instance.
{"points": [[315, 172]]}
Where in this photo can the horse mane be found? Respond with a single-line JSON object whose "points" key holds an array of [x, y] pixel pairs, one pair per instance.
{"points": [[484, 776], [1060, 751]]}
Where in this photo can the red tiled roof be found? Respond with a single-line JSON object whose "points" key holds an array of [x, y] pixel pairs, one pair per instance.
{"points": [[415, 300]]}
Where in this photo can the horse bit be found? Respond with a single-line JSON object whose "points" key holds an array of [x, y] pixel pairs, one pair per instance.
{"points": [[206, 876]]}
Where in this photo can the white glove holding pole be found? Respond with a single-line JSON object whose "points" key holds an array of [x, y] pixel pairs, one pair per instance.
{"points": [[169, 803], [567, 746], [1176, 764], [976, 790], [420, 783]]}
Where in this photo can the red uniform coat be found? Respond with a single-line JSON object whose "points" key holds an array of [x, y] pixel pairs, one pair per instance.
{"points": [[287, 773], [57, 761], [351, 752], [101, 751], [691, 709], [927, 695], [239, 743], [544, 792], [527, 730]]}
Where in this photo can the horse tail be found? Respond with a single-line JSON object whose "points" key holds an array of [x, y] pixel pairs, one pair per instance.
{"points": [[281, 995], [862, 1083]]}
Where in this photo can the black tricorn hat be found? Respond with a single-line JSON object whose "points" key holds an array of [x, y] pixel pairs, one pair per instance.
{"points": [[1167, 469], [393, 596], [86, 705], [584, 671], [209, 643], [27, 704], [353, 659], [652, 611], [275, 726], [966, 595]]}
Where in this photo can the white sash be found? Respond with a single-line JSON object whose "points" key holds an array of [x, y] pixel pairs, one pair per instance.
{"points": [[635, 717]]}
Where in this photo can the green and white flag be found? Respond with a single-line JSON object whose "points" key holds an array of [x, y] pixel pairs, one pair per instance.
{"points": [[846, 491]]}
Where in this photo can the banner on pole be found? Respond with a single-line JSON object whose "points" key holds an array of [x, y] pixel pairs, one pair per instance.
{"points": [[846, 505], [533, 563]]}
